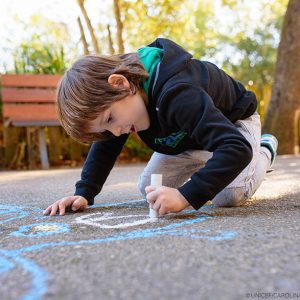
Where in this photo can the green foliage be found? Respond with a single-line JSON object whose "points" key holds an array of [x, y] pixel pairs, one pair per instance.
{"points": [[38, 57], [43, 51], [134, 147], [256, 47], [250, 50], [146, 20], [257, 56]]}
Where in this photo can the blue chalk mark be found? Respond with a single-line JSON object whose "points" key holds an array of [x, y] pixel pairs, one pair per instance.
{"points": [[19, 210], [146, 233], [39, 280], [26, 230], [198, 234], [5, 265], [9, 210], [39, 286], [40, 277]]}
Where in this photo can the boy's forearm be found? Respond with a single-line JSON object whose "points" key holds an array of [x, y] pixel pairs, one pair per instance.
{"points": [[101, 159]]}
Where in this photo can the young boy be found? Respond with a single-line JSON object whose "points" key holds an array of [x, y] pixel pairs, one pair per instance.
{"points": [[201, 123]]}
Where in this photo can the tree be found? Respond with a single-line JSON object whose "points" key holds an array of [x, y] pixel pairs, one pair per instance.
{"points": [[282, 118], [119, 26], [110, 40], [82, 37], [89, 25], [251, 47]]}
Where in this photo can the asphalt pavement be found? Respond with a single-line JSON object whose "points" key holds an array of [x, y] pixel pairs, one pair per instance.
{"points": [[114, 251]]}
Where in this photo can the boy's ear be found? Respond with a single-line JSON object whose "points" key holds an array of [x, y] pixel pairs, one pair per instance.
{"points": [[118, 80]]}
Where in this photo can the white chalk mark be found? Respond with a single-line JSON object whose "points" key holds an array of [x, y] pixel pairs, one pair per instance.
{"points": [[99, 219]]}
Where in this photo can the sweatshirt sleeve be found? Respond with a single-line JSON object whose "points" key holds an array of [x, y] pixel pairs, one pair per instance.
{"points": [[192, 110], [99, 162]]}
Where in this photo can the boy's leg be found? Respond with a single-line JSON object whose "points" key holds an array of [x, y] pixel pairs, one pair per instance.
{"points": [[176, 169], [249, 180]]}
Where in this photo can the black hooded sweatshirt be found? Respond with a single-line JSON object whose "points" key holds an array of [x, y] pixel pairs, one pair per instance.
{"points": [[192, 105]]}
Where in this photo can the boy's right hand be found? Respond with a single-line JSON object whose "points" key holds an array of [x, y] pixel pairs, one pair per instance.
{"points": [[72, 202]]}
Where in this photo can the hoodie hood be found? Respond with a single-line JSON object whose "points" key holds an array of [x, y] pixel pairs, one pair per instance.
{"points": [[173, 61]]}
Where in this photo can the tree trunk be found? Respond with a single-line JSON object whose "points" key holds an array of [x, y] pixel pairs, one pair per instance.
{"points": [[82, 38], [110, 41], [119, 26], [282, 118], [89, 25]]}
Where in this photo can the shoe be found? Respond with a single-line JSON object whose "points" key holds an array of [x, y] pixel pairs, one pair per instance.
{"points": [[270, 142]]}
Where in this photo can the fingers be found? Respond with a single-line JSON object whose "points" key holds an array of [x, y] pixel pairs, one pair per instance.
{"points": [[54, 209], [156, 206], [62, 208], [75, 206], [150, 188], [152, 197], [152, 193], [47, 210], [155, 202], [79, 204], [74, 202], [162, 211], [160, 207]]}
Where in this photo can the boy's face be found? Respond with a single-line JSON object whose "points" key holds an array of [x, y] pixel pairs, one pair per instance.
{"points": [[123, 116]]}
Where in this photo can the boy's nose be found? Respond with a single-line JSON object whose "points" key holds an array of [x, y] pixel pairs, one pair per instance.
{"points": [[116, 131]]}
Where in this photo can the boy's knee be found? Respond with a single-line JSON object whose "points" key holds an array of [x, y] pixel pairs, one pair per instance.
{"points": [[142, 183], [230, 197]]}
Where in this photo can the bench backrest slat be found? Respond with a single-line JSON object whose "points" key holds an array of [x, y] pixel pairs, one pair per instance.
{"points": [[28, 95], [30, 112], [29, 80], [29, 99]]}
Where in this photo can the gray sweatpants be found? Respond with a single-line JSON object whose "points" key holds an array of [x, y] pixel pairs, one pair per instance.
{"points": [[177, 169]]}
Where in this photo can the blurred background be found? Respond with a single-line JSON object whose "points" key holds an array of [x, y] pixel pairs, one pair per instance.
{"points": [[255, 41]]}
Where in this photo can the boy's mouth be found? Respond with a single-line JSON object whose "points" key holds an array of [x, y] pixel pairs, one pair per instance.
{"points": [[133, 128]]}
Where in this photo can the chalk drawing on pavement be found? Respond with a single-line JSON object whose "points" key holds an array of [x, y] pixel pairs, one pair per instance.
{"points": [[113, 227], [41, 229], [99, 219]]}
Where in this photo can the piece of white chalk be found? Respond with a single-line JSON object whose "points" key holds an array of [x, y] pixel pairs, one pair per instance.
{"points": [[153, 214], [156, 180]]}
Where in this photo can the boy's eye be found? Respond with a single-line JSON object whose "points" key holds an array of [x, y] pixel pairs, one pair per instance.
{"points": [[109, 119]]}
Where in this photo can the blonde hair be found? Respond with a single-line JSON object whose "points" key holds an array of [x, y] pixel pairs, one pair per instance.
{"points": [[84, 91]]}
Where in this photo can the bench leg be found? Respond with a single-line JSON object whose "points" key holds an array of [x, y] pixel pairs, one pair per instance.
{"points": [[43, 148], [30, 152]]}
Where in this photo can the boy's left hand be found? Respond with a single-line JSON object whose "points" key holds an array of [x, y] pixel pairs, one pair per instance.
{"points": [[165, 199]]}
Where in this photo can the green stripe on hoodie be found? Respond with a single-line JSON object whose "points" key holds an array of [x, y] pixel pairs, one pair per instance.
{"points": [[150, 57]]}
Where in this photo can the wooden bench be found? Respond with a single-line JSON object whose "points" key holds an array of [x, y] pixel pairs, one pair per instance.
{"points": [[29, 101]]}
